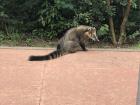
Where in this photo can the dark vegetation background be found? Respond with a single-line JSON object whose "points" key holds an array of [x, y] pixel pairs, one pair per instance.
{"points": [[27, 22]]}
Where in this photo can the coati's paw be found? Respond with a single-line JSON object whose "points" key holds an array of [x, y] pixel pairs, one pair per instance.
{"points": [[85, 50]]}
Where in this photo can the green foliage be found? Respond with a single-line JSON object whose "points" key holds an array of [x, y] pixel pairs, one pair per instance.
{"points": [[123, 2], [56, 16], [134, 35], [103, 32], [2, 37], [111, 11], [14, 36], [135, 4], [138, 46], [28, 41], [44, 19]]}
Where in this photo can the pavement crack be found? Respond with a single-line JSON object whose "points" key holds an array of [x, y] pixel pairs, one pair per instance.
{"points": [[42, 84], [138, 88]]}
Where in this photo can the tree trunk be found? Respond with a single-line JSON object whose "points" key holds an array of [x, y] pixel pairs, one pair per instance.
{"points": [[111, 25], [123, 24], [112, 30]]}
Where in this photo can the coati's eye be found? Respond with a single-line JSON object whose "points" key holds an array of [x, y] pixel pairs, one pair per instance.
{"points": [[89, 29]]}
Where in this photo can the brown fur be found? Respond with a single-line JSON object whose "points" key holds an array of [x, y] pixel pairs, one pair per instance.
{"points": [[73, 40]]}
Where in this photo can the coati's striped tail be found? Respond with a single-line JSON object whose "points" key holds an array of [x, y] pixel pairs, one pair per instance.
{"points": [[50, 56]]}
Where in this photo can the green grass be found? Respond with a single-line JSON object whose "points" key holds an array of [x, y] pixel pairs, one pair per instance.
{"points": [[137, 45], [17, 39], [42, 43]]}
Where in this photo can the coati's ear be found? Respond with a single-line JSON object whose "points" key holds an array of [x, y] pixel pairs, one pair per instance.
{"points": [[94, 28]]}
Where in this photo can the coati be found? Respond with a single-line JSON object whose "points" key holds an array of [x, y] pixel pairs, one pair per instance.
{"points": [[73, 40]]}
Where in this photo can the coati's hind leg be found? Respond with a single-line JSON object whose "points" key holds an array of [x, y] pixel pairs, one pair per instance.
{"points": [[71, 46], [58, 47]]}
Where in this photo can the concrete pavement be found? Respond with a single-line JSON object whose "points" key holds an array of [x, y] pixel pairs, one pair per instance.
{"points": [[82, 78]]}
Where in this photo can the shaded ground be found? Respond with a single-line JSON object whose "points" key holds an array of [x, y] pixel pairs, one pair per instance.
{"points": [[84, 78]]}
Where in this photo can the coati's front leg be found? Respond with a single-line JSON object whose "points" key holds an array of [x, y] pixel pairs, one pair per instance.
{"points": [[82, 45]]}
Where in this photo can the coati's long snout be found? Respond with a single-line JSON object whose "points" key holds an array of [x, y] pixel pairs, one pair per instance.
{"points": [[91, 33]]}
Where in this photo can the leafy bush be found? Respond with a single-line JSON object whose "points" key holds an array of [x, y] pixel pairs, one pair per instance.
{"points": [[2, 37], [134, 35], [44, 19], [103, 32]]}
